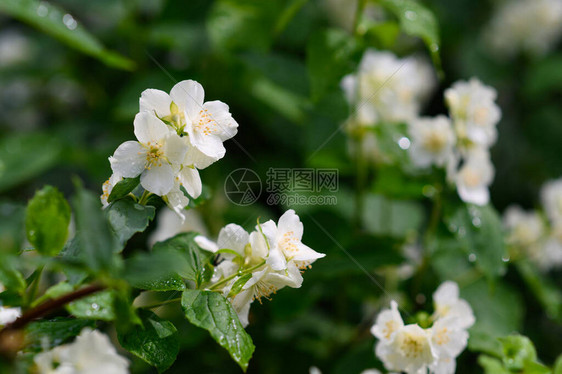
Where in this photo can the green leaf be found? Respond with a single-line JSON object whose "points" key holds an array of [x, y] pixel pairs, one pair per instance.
{"points": [[517, 350], [95, 240], [25, 156], [10, 277], [156, 342], [194, 258], [416, 20], [57, 23], [46, 221], [53, 292], [240, 282], [543, 289], [383, 34], [557, 366], [98, 306], [498, 313], [328, 59], [212, 312], [127, 218], [396, 218], [479, 230], [48, 334], [156, 271], [492, 365], [122, 188], [12, 227]]}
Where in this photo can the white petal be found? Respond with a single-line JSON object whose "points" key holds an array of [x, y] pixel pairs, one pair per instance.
{"points": [[191, 181], [209, 145], [156, 102], [148, 128], [175, 148], [158, 179], [188, 96], [446, 293], [289, 221], [233, 237], [226, 126], [206, 244], [276, 259], [478, 196], [129, 159], [306, 253], [197, 158]]}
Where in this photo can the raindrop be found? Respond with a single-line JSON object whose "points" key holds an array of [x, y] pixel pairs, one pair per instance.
{"points": [[462, 231], [429, 191], [411, 15], [42, 9], [505, 258], [95, 306], [434, 47], [472, 257], [452, 228], [69, 21], [476, 221], [404, 143]]}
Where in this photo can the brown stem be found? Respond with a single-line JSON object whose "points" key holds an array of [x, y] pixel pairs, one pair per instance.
{"points": [[50, 306]]}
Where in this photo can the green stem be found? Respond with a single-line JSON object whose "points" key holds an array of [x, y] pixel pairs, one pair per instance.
{"points": [[160, 303], [144, 198], [360, 181], [240, 273], [358, 12]]}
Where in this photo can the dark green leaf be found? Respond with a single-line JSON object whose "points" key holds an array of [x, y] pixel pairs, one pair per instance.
{"points": [[479, 231], [98, 306], [193, 267], [94, 237], [156, 342], [396, 218], [46, 221], [156, 271], [12, 227], [24, 156], [55, 22], [127, 218], [492, 365], [543, 289], [416, 20], [55, 291], [212, 312], [558, 366], [328, 59], [122, 188], [48, 334], [10, 277]]}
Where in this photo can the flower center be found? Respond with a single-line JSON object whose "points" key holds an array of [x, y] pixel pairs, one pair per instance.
{"points": [[435, 141], [176, 119], [205, 125], [471, 178], [412, 346], [154, 154], [442, 337]]}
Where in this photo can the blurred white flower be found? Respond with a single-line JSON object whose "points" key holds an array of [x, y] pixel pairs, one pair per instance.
{"points": [[14, 48], [449, 339], [448, 304], [90, 353], [551, 197], [157, 155], [207, 124], [551, 254], [170, 224], [9, 315], [474, 112], [432, 141], [387, 88], [524, 228], [530, 26], [474, 177], [410, 350], [387, 323]]}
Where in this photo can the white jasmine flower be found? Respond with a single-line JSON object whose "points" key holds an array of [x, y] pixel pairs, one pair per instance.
{"points": [[551, 197], [410, 350], [550, 256], [531, 26], [474, 111], [90, 353], [208, 124], [448, 305], [474, 177], [432, 141], [170, 224], [9, 315], [449, 338], [284, 242], [263, 284], [524, 228], [156, 156], [108, 187], [388, 89], [388, 322]]}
